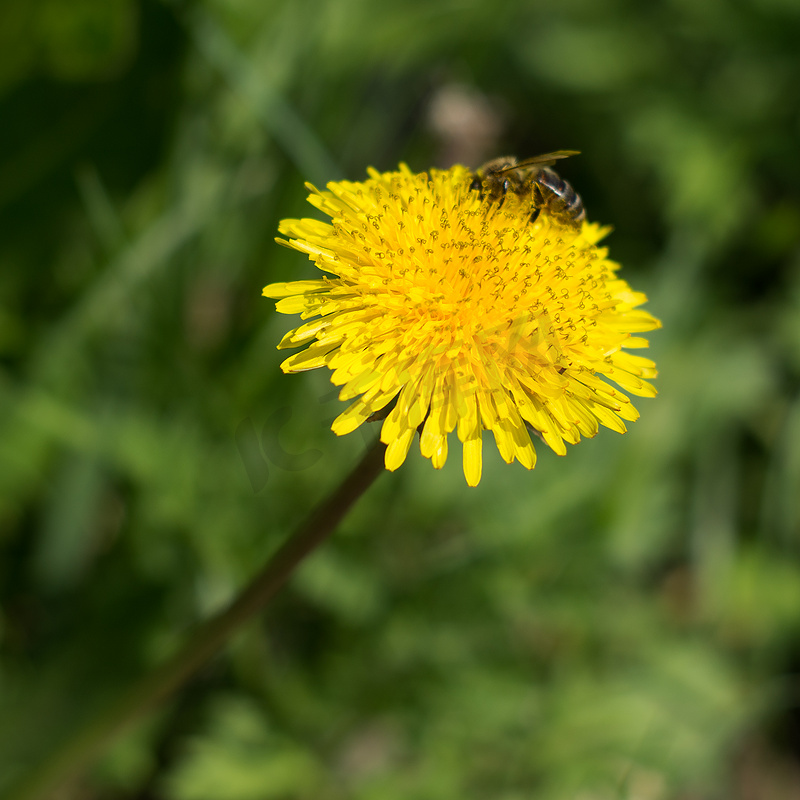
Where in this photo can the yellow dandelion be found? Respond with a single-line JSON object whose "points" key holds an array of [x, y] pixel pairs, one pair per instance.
{"points": [[442, 311]]}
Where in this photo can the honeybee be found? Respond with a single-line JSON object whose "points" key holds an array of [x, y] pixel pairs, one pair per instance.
{"points": [[532, 179]]}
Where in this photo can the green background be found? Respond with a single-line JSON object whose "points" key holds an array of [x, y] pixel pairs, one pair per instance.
{"points": [[623, 622]]}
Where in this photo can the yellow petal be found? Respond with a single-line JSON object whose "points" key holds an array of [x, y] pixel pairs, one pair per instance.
{"points": [[473, 460], [397, 450], [279, 290]]}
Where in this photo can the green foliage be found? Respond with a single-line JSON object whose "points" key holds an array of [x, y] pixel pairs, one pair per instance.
{"points": [[620, 623]]}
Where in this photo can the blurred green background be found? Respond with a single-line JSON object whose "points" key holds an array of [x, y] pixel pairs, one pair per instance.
{"points": [[620, 623]]}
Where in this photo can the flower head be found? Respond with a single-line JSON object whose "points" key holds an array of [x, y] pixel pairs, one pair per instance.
{"points": [[443, 311]]}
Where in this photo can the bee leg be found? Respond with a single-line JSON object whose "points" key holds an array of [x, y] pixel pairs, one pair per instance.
{"points": [[538, 202], [476, 185], [506, 187]]}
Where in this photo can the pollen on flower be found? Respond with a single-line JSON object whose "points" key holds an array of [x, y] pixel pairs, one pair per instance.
{"points": [[442, 312]]}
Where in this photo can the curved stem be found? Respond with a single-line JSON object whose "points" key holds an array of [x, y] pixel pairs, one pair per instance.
{"points": [[79, 751]]}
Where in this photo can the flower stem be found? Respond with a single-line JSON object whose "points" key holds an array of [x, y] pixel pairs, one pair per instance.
{"points": [[67, 762]]}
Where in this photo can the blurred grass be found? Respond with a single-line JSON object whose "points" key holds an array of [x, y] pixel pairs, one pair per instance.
{"points": [[620, 623]]}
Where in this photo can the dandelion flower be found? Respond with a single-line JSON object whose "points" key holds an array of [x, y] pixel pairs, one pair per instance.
{"points": [[441, 311]]}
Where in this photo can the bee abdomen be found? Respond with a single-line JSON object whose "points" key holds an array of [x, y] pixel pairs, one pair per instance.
{"points": [[568, 197], [558, 186]]}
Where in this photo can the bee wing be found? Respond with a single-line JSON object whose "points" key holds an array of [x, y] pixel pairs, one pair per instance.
{"points": [[544, 160]]}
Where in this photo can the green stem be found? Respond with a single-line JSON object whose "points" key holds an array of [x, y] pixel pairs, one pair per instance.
{"points": [[66, 763]]}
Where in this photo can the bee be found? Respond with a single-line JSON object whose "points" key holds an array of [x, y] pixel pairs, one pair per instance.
{"points": [[533, 180]]}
